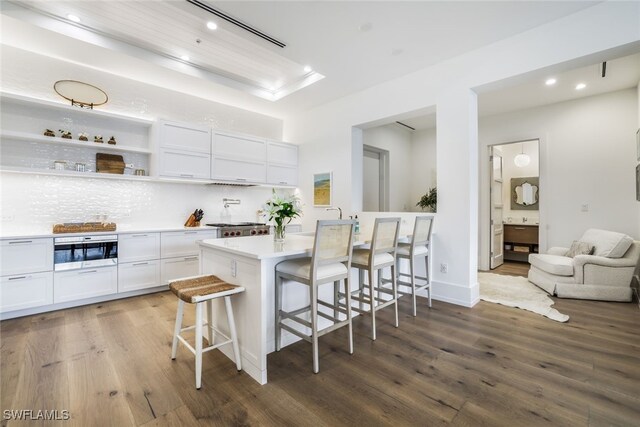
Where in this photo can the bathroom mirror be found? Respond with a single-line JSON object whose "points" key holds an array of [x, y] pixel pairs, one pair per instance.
{"points": [[525, 193]]}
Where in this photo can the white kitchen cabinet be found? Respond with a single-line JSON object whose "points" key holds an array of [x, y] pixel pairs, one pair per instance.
{"points": [[183, 243], [238, 170], [25, 291], [239, 147], [176, 268], [293, 228], [138, 247], [282, 175], [19, 256], [282, 153], [81, 284], [184, 164], [138, 275], [184, 137]]}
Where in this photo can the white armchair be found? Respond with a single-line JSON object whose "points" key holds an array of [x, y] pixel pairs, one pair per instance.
{"points": [[606, 275]]}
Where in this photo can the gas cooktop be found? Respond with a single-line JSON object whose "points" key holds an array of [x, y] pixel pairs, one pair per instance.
{"points": [[238, 229], [237, 224]]}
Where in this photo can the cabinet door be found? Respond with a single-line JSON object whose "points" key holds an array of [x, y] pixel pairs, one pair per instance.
{"points": [[282, 153], [138, 275], [25, 291], [282, 175], [26, 256], [81, 284], [239, 147], [138, 247], [238, 170], [185, 137], [182, 164], [183, 243], [177, 268]]}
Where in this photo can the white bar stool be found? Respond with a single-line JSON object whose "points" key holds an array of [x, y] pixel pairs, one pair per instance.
{"points": [[418, 247], [330, 263], [382, 254], [198, 290]]}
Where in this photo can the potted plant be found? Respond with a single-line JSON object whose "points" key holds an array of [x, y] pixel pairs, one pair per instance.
{"points": [[282, 210], [429, 200]]}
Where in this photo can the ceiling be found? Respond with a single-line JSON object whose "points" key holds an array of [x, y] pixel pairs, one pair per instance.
{"points": [[355, 44]]}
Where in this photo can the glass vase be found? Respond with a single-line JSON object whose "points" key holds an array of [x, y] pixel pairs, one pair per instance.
{"points": [[278, 233]]}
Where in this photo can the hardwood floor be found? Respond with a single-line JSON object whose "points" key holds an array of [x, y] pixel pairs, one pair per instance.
{"points": [[109, 364], [512, 268]]}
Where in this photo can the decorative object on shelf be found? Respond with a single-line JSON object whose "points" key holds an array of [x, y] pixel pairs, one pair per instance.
{"points": [[140, 172], [83, 227], [65, 134], [112, 140], [282, 210], [322, 183], [49, 132], [429, 200], [81, 167], [83, 136], [109, 163], [80, 94], [525, 193], [60, 165], [98, 139], [194, 218]]}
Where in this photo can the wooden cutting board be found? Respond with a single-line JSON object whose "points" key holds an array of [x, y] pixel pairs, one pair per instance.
{"points": [[109, 163]]}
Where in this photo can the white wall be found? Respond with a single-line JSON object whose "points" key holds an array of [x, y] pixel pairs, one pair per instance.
{"points": [[326, 132], [423, 165], [510, 170], [588, 156]]}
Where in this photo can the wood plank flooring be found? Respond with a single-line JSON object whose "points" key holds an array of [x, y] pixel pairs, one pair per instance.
{"points": [[512, 268], [109, 364]]}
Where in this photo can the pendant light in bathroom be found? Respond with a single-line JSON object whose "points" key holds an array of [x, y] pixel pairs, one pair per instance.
{"points": [[521, 160]]}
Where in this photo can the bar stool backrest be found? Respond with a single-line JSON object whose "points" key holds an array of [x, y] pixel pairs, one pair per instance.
{"points": [[385, 235], [422, 231], [333, 243]]}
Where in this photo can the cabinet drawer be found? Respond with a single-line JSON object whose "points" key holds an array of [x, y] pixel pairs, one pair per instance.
{"points": [[182, 164], [138, 275], [238, 170], [25, 291], [26, 256], [521, 234], [183, 243], [239, 147], [185, 137], [138, 247], [282, 175], [81, 284], [281, 153], [176, 268]]}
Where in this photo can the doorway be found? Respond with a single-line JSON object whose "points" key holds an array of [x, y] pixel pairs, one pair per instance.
{"points": [[514, 193], [375, 170]]}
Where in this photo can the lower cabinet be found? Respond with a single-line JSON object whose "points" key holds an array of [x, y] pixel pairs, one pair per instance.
{"points": [[25, 291], [175, 268], [138, 275], [81, 284]]}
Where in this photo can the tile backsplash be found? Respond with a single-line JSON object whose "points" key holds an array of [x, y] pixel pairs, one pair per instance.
{"points": [[31, 202]]}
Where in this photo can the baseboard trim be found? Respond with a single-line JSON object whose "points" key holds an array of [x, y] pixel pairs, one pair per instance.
{"points": [[458, 294]]}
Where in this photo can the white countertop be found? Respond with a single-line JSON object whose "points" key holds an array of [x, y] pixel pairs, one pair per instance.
{"points": [[124, 229]]}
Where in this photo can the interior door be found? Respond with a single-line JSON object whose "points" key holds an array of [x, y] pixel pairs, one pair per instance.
{"points": [[497, 229], [371, 182]]}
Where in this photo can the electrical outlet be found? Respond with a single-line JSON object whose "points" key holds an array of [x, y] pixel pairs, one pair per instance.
{"points": [[584, 208], [444, 268]]}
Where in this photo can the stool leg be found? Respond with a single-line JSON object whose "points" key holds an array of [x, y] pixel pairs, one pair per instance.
{"points": [[176, 330], [336, 297], [198, 345], [348, 296], [428, 275], [210, 336], [278, 329], [234, 334], [373, 305], [413, 284], [394, 285], [314, 326], [361, 286]]}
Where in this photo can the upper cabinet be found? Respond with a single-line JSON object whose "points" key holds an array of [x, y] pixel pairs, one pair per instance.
{"points": [[239, 158], [184, 137], [184, 150], [282, 164]]}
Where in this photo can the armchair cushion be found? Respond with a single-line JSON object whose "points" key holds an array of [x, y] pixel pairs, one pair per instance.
{"points": [[579, 248], [553, 264], [556, 250], [607, 244]]}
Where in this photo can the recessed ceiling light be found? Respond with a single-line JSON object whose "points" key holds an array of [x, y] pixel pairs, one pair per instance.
{"points": [[307, 69], [185, 57], [212, 25], [550, 82], [73, 18], [580, 86]]}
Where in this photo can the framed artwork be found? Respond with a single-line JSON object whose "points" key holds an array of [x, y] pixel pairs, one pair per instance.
{"points": [[322, 189]]}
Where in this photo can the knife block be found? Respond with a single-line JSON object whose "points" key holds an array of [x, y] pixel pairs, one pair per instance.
{"points": [[191, 222]]}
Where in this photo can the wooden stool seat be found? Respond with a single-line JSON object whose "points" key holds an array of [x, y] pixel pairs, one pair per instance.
{"points": [[194, 289]]}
